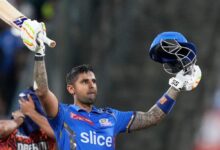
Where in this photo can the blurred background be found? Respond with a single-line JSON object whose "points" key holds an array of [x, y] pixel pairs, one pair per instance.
{"points": [[114, 37]]}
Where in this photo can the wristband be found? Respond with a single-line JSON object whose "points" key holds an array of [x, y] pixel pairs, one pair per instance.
{"points": [[166, 103], [38, 57]]}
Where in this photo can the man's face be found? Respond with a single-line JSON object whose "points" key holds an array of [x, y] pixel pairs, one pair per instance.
{"points": [[85, 89]]}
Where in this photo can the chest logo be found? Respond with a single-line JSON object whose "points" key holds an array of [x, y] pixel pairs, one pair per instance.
{"points": [[81, 118], [105, 122]]}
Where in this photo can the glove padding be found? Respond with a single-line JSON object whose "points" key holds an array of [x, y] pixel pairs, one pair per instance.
{"points": [[29, 34], [186, 82]]}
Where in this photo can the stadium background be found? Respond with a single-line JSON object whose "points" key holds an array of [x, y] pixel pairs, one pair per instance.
{"points": [[114, 37]]}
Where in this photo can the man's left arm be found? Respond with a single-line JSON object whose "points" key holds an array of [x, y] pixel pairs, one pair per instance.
{"points": [[153, 116], [182, 82]]}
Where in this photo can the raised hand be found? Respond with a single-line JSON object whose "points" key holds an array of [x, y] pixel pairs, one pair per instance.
{"points": [[187, 82], [27, 106]]}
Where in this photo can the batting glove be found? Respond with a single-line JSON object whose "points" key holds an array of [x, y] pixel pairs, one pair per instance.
{"points": [[30, 32], [186, 82]]}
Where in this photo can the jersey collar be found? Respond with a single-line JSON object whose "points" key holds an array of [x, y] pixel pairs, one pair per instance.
{"points": [[94, 109]]}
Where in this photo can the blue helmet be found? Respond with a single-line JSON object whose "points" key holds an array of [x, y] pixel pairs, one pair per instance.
{"points": [[173, 50]]}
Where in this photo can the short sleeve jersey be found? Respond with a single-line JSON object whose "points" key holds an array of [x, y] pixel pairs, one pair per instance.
{"points": [[35, 141], [76, 129]]}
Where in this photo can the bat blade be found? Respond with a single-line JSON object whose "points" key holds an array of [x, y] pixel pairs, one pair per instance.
{"points": [[15, 18]]}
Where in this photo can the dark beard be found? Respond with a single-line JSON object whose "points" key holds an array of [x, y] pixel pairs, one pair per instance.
{"points": [[88, 101]]}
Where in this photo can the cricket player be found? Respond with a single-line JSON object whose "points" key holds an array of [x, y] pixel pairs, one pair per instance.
{"points": [[83, 126], [29, 129]]}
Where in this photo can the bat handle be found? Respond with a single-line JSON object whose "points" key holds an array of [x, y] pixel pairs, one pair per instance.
{"points": [[45, 39]]}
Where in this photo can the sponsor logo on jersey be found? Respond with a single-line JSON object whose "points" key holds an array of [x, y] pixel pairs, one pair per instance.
{"points": [[81, 118], [32, 146], [105, 122], [93, 138]]}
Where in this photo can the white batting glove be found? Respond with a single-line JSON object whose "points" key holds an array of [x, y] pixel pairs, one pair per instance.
{"points": [[186, 82], [30, 31]]}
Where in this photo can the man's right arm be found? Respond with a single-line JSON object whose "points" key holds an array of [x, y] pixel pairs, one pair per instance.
{"points": [[30, 31], [48, 100]]}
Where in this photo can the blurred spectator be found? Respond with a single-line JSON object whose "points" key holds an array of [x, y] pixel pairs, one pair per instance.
{"points": [[208, 137], [29, 129], [10, 48]]}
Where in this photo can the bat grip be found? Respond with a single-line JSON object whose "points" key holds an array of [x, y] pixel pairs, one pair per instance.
{"points": [[45, 39]]}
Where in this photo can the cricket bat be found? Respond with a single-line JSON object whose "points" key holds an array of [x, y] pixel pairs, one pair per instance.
{"points": [[15, 18]]}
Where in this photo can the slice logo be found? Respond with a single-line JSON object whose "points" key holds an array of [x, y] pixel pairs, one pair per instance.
{"points": [[81, 118], [105, 122], [93, 138]]}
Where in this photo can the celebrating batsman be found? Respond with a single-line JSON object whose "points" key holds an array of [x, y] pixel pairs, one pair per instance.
{"points": [[81, 125]]}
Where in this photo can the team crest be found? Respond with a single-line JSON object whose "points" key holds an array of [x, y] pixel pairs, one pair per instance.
{"points": [[105, 122]]}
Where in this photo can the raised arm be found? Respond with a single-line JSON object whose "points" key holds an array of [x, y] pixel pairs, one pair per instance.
{"points": [[154, 115], [8, 126], [47, 98], [30, 32], [164, 105]]}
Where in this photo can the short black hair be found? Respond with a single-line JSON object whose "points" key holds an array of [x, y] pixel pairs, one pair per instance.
{"points": [[77, 70]]}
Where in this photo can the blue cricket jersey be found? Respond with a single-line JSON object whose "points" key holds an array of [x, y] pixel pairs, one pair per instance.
{"points": [[76, 129]]}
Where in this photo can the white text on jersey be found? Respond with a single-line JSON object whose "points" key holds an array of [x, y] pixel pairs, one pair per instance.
{"points": [[95, 139]]}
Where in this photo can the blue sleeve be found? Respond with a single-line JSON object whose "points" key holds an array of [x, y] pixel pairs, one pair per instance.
{"points": [[123, 118], [57, 122]]}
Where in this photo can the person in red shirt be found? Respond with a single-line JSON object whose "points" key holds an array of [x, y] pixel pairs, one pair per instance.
{"points": [[29, 128]]}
